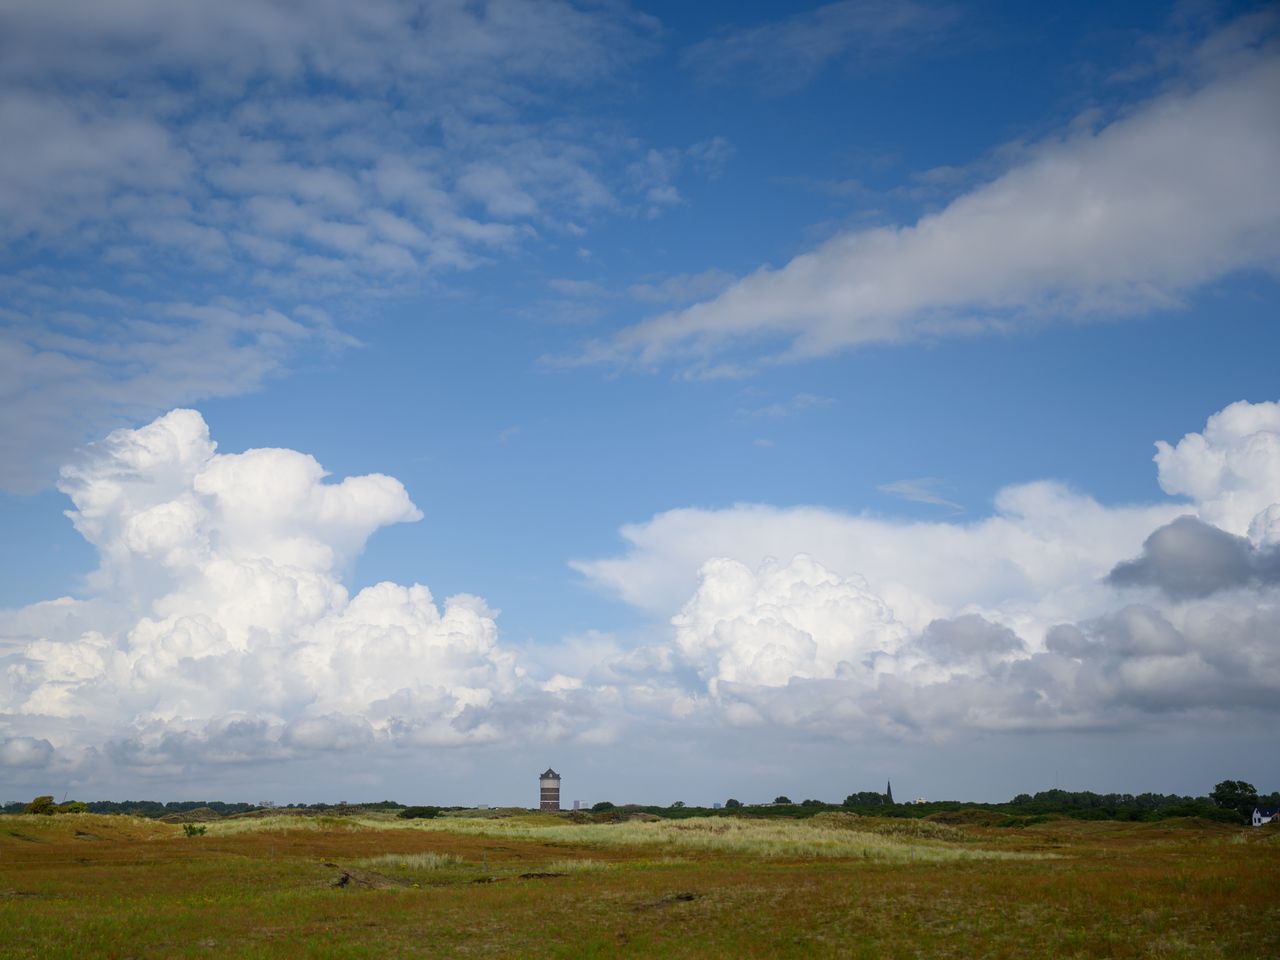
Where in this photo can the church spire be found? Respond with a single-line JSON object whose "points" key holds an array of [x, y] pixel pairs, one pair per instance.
{"points": [[888, 791]]}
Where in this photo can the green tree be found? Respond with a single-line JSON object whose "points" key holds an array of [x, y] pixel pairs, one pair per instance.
{"points": [[1235, 795], [42, 805], [782, 799], [732, 804], [865, 798], [678, 805], [604, 806]]}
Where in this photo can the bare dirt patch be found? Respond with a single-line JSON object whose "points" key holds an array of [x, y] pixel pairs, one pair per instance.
{"points": [[670, 900], [351, 878]]}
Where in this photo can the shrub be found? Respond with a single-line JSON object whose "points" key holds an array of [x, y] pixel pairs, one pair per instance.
{"points": [[604, 806], [194, 829], [42, 805], [419, 813], [75, 806]]}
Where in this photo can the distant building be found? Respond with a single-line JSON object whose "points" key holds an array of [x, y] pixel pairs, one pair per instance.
{"points": [[919, 800], [577, 804], [1263, 815], [549, 790], [716, 806]]}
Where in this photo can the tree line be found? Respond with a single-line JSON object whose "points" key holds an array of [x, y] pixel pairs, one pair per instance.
{"points": [[1230, 801]]}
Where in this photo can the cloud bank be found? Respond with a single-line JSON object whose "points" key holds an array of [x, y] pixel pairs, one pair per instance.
{"points": [[218, 631], [1056, 613]]}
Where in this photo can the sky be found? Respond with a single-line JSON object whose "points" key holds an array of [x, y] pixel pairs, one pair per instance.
{"points": [[705, 400]]}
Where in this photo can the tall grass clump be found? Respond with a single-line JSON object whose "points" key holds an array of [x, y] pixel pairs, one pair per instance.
{"points": [[411, 861], [577, 866]]}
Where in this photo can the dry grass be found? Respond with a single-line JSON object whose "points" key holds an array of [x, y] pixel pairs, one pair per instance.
{"points": [[834, 835], [756, 838]]}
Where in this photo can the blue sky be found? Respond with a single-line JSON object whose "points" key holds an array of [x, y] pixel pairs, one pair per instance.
{"points": [[765, 365]]}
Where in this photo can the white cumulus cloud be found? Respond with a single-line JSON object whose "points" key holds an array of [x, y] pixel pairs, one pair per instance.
{"points": [[1231, 470], [220, 625], [781, 621]]}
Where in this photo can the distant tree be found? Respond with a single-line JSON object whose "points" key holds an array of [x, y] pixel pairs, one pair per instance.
{"points": [[678, 805], [42, 805], [782, 799], [811, 803], [865, 798], [732, 804], [1235, 795], [604, 806], [419, 813], [75, 806]]}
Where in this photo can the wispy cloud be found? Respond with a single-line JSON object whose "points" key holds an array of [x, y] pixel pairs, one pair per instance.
{"points": [[785, 408], [576, 288], [1109, 219], [781, 56], [682, 287], [68, 373], [921, 490]]}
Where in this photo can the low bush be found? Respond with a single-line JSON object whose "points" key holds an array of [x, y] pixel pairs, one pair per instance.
{"points": [[1019, 823]]}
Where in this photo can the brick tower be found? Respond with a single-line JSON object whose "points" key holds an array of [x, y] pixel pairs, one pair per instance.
{"points": [[549, 790]]}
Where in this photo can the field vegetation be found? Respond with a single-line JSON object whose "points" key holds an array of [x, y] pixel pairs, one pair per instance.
{"points": [[501, 883]]}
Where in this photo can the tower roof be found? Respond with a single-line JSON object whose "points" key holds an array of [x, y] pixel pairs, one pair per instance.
{"points": [[550, 775]]}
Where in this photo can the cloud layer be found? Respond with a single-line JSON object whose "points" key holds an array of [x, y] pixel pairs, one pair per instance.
{"points": [[202, 188]]}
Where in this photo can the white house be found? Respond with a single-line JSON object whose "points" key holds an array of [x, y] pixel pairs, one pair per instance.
{"points": [[1263, 815]]}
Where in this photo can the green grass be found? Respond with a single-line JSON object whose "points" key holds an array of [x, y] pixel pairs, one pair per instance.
{"points": [[540, 887]]}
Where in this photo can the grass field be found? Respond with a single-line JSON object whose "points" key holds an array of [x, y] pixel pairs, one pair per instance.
{"points": [[82, 885]]}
